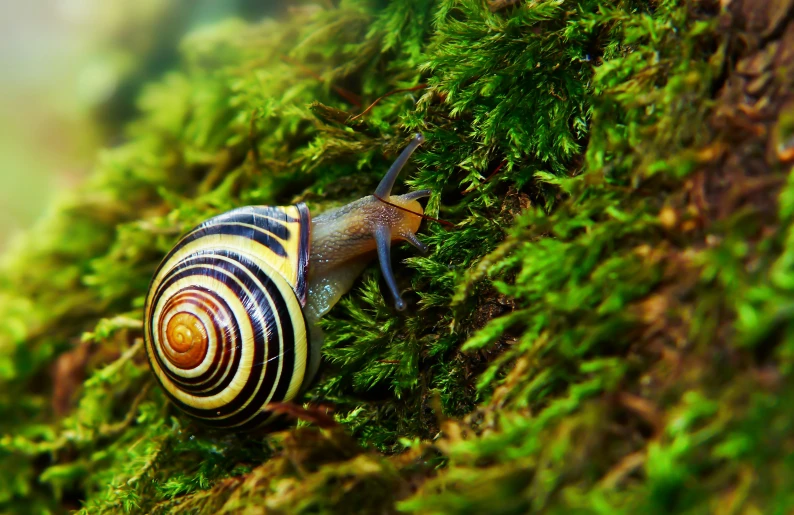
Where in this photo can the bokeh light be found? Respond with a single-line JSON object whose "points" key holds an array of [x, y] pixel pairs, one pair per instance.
{"points": [[72, 71]]}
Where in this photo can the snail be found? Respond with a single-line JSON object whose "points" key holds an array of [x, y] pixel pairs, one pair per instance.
{"points": [[231, 313]]}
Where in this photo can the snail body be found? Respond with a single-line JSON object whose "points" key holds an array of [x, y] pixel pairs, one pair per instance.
{"points": [[231, 314]]}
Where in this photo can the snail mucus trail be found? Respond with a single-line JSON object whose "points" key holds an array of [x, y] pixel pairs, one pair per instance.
{"points": [[231, 314]]}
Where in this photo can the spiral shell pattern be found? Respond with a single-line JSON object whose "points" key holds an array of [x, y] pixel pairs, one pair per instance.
{"points": [[224, 328]]}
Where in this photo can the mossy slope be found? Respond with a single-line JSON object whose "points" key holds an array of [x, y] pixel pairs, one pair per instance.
{"points": [[606, 328]]}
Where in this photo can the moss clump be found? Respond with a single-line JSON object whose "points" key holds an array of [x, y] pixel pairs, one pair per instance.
{"points": [[606, 328]]}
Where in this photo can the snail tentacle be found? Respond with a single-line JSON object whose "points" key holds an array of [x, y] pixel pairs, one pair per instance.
{"points": [[416, 195], [383, 241], [387, 183], [413, 240]]}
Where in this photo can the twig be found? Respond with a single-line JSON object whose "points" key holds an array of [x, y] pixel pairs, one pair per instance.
{"points": [[426, 217], [106, 430], [473, 188], [390, 93], [347, 95]]}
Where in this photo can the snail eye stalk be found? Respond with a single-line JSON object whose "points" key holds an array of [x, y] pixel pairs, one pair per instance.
{"points": [[383, 241], [387, 183]]}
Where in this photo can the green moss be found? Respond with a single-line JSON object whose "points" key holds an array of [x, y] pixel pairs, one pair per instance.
{"points": [[606, 328]]}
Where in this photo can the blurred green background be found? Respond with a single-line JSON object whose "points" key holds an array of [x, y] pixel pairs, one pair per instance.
{"points": [[71, 71]]}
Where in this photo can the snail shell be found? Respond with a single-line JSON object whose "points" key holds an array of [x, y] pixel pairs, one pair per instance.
{"points": [[231, 313], [224, 322]]}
